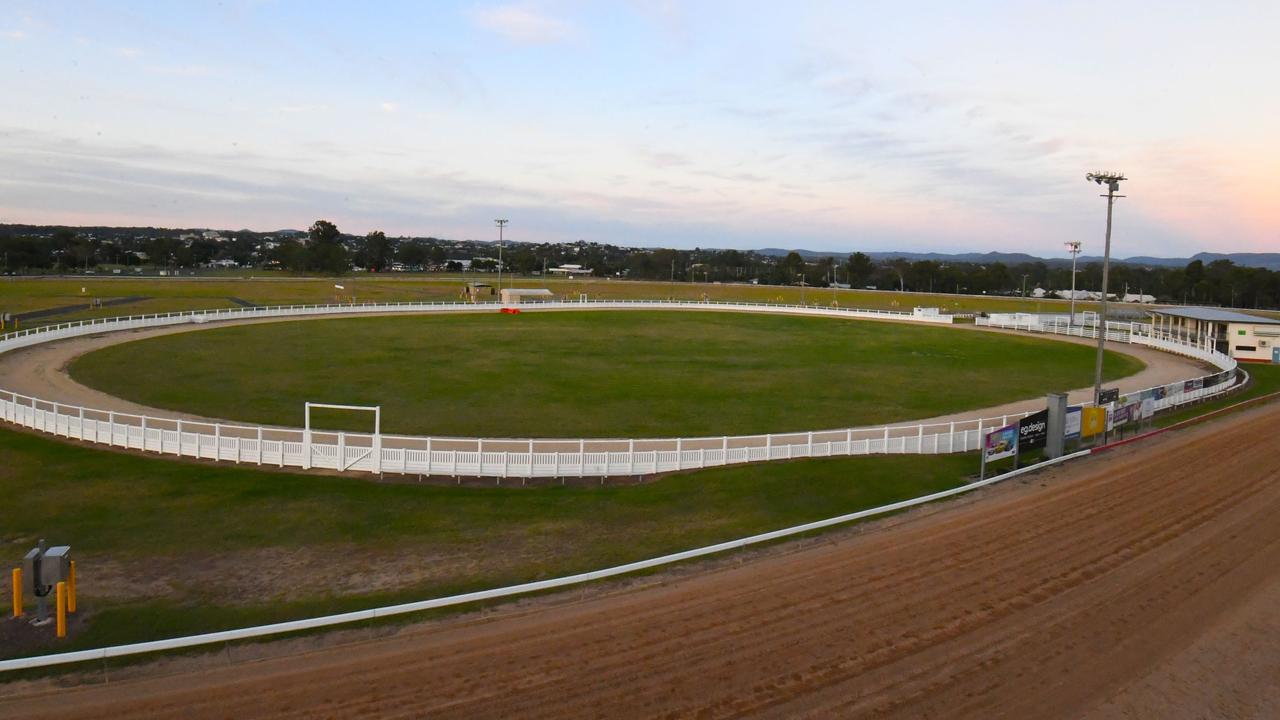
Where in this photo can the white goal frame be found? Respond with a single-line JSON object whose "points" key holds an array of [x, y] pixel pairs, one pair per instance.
{"points": [[375, 447]]}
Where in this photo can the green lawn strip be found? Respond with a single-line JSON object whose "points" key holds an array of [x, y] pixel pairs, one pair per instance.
{"points": [[125, 508], [590, 374], [23, 294]]}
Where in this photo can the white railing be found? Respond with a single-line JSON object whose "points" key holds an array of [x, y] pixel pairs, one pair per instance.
{"points": [[505, 457]]}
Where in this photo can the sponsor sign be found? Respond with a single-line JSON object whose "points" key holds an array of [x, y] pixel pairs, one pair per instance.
{"points": [[1119, 415], [1192, 385], [1033, 431], [1148, 408], [1001, 443], [1093, 420], [1071, 428], [1159, 393], [1108, 395]]}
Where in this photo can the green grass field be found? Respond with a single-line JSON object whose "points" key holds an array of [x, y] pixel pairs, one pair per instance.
{"points": [[591, 374], [19, 295], [166, 548]]}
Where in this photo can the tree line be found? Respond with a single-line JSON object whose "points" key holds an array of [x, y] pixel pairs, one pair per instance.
{"points": [[323, 248]]}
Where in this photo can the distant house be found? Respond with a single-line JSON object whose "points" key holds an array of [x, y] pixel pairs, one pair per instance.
{"points": [[569, 270]]}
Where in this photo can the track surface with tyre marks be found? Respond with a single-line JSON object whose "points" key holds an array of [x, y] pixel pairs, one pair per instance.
{"points": [[1103, 588]]}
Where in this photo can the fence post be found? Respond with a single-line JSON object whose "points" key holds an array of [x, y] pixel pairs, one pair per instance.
{"points": [[111, 427], [631, 456], [82, 423], [885, 449], [144, 433], [259, 444], [217, 441], [919, 440], [768, 446], [342, 451], [951, 437]]}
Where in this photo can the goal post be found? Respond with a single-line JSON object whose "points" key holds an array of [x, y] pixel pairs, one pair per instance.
{"points": [[375, 449]]}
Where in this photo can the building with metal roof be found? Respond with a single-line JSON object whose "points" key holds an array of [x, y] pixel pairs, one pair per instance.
{"points": [[1245, 337]]}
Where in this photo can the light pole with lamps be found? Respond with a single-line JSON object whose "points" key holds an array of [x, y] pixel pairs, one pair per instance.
{"points": [[1112, 181], [501, 223], [1073, 247]]}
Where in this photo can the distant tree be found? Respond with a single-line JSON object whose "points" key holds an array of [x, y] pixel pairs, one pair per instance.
{"points": [[860, 268], [377, 251], [437, 256], [325, 251], [411, 253]]}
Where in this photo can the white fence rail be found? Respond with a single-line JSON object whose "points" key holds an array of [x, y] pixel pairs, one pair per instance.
{"points": [[516, 458]]}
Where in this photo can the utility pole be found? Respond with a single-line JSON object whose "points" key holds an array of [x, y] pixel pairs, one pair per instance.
{"points": [[1073, 247], [501, 223], [1112, 180], [1024, 285]]}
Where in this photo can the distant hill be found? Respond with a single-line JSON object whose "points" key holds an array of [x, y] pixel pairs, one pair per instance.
{"points": [[1270, 261]]}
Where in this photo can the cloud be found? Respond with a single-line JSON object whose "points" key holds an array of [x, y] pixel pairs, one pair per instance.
{"points": [[14, 34], [390, 107], [523, 25], [128, 52]]}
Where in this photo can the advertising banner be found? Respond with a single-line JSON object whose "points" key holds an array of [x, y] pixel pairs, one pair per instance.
{"points": [[1107, 395], [1159, 393], [1071, 428], [1191, 385], [1093, 420], [1148, 408], [1119, 416], [1033, 431], [1001, 443]]}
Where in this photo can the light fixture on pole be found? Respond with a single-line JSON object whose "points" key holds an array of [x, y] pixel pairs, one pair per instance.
{"points": [[1112, 181], [1073, 247], [501, 223]]}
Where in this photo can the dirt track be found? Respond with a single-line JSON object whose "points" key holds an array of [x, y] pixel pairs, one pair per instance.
{"points": [[1139, 583]]}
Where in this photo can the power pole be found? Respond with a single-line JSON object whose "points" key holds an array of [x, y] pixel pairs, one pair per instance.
{"points": [[1112, 181]]}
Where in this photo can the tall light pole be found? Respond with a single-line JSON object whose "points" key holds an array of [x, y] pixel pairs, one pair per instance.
{"points": [[1024, 285], [1073, 247], [501, 223], [1112, 181]]}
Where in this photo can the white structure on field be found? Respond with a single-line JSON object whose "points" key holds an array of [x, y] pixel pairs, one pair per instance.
{"points": [[1251, 338]]}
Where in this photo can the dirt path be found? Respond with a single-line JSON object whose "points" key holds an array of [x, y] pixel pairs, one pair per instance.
{"points": [[1138, 583], [40, 371]]}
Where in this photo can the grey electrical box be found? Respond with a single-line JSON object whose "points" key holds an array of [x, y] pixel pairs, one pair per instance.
{"points": [[55, 566], [31, 570]]}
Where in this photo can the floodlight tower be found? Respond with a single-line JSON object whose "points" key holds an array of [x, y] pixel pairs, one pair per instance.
{"points": [[1112, 181], [501, 223], [1073, 247]]}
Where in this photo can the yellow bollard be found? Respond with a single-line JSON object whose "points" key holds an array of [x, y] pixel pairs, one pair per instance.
{"points": [[71, 588], [17, 592], [62, 609]]}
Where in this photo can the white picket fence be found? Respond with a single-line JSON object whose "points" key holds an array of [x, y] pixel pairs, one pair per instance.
{"points": [[513, 458]]}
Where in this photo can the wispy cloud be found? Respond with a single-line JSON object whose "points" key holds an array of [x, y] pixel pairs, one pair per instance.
{"points": [[523, 24], [390, 107], [14, 34], [128, 52]]}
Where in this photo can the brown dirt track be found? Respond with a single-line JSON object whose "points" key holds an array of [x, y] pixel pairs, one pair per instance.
{"points": [[1142, 582]]}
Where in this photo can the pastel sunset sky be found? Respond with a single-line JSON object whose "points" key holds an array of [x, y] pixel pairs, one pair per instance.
{"points": [[839, 126]]}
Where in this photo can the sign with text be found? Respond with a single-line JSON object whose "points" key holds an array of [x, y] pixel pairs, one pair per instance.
{"points": [[1033, 431], [1071, 424], [1108, 395], [1001, 443]]}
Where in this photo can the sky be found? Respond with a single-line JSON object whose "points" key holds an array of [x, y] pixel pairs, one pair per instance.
{"points": [[920, 126]]}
